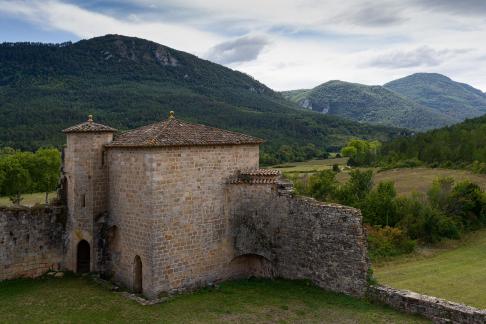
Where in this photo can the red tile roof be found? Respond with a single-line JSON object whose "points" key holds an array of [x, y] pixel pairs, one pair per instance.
{"points": [[173, 132]]}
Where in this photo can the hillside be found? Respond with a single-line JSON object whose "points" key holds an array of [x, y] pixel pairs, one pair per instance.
{"points": [[127, 82], [369, 104], [456, 100], [458, 146]]}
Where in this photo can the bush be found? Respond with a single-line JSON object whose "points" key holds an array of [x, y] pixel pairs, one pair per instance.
{"points": [[388, 241], [379, 206]]}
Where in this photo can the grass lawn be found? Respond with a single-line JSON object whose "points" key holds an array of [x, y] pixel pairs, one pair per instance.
{"points": [[76, 299], [29, 199], [457, 274]]}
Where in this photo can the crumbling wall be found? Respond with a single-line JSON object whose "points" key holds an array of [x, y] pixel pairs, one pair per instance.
{"points": [[436, 309], [301, 237], [31, 240]]}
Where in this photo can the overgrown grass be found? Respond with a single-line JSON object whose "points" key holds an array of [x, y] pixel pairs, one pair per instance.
{"points": [[79, 300], [455, 270], [310, 166], [28, 199]]}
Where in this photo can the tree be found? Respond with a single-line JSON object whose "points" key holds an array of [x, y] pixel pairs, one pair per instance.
{"points": [[357, 188], [46, 172], [361, 152], [17, 179], [379, 207]]}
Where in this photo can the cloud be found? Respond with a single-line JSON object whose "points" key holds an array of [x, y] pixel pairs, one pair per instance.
{"points": [[472, 7], [239, 50], [420, 57], [372, 15]]}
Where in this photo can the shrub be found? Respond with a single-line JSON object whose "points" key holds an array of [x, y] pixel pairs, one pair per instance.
{"points": [[388, 241], [379, 206]]}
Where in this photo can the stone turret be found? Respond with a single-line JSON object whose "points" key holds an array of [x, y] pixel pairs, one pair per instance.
{"points": [[86, 182]]}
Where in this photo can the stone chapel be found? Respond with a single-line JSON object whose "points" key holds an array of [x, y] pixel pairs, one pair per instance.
{"points": [[175, 206]]}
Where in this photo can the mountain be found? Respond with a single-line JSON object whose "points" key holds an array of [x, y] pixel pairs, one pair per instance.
{"points": [[456, 100], [457, 146], [127, 82], [369, 104]]}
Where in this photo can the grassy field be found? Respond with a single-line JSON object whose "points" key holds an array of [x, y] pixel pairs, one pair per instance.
{"points": [[310, 166], [456, 273], [79, 300], [406, 180], [29, 199]]}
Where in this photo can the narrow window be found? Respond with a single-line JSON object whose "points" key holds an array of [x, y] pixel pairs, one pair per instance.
{"points": [[103, 158], [83, 200]]}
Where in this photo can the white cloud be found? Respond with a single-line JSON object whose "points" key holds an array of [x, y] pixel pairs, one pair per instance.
{"points": [[300, 43]]}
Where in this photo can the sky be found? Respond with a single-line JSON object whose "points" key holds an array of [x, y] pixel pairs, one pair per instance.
{"points": [[286, 44]]}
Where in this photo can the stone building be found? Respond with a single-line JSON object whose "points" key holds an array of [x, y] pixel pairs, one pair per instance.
{"points": [[175, 206]]}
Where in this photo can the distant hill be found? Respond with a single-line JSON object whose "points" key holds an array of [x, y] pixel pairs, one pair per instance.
{"points": [[369, 104], [455, 146], [127, 82], [456, 100]]}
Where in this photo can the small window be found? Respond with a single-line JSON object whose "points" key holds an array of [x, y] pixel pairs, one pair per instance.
{"points": [[83, 200], [103, 153]]}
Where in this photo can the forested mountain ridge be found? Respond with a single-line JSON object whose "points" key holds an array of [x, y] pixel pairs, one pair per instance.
{"points": [[460, 146], [127, 82], [370, 104], [454, 99]]}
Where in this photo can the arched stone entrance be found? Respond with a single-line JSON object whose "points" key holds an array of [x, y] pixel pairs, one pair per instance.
{"points": [[252, 265], [137, 275], [83, 260]]}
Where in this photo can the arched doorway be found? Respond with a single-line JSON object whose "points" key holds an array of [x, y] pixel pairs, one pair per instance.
{"points": [[83, 257], [137, 275]]}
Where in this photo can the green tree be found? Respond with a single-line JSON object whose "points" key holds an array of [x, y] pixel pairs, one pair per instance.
{"points": [[17, 179], [46, 172], [357, 188], [323, 185], [379, 207], [361, 152]]}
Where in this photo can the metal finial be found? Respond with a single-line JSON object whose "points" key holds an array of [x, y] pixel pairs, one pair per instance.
{"points": [[90, 118], [171, 114]]}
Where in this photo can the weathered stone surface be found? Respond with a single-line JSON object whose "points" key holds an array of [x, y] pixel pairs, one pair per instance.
{"points": [[436, 309], [301, 237], [31, 241]]}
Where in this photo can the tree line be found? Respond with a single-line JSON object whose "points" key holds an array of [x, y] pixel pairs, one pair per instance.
{"points": [[28, 172], [396, 223]]}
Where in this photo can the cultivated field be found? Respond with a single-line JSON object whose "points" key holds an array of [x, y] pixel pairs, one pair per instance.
{"points": [[79, 300], [456, 273], [406, 180]]}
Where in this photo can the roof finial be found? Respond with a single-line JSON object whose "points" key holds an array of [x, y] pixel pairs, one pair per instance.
{"points": [[171, 114], [90, 118]]}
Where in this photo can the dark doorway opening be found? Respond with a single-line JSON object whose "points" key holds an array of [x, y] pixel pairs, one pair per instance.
{"points": [[137, 276], [83, 257]]}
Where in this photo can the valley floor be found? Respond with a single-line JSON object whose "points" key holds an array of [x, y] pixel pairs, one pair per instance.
{"points": [[80, 300], [456, 273]]}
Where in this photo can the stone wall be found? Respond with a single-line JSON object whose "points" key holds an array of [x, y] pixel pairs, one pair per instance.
{"points": [[86, 179], [169, 207], [301, 237], [436, 309], [31, 241]]}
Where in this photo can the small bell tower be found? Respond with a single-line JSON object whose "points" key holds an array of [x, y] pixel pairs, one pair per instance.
{"points": [[86, 188]]}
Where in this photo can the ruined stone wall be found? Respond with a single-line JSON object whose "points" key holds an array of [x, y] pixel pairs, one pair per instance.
{"points": [[436, 309], [301, 237], [169, 207], [31, 240]]}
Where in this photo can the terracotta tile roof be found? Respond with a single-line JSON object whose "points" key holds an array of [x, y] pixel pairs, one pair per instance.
{"points": [[256, 176], [89, 126], [173, 132]]}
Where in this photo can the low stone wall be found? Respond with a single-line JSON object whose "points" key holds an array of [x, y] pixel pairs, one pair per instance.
{"points": [[436, 309], [31, 240], [301, 237]]}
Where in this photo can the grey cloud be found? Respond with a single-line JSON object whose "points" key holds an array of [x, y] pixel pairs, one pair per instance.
{"points": [[472, 7], [242, 49], [372, 15], [421, 57]]}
